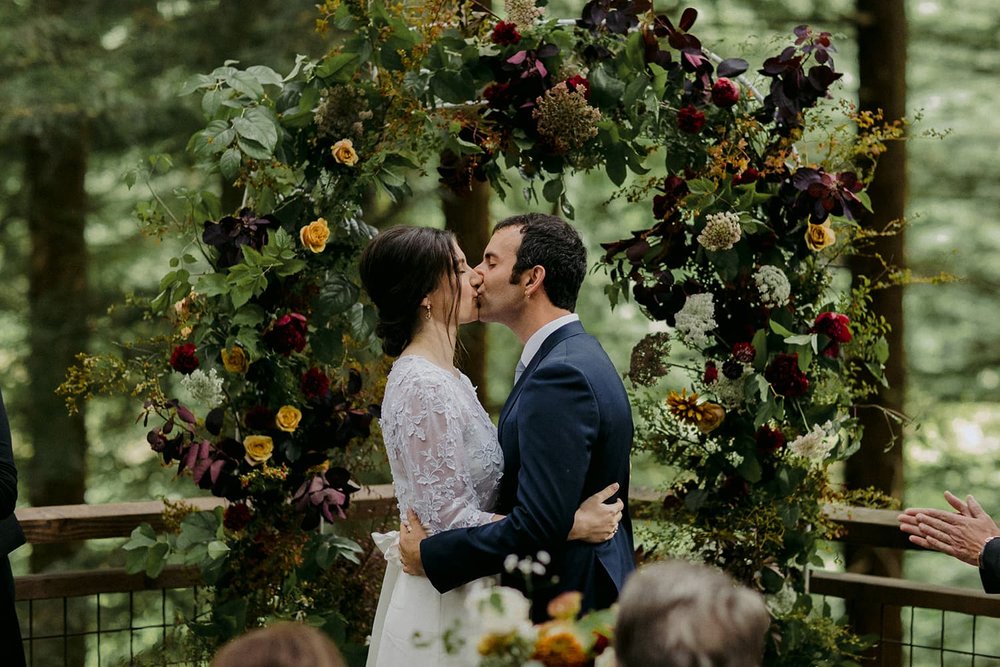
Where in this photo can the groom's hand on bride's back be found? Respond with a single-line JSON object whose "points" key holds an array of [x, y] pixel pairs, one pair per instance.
{"points": [[411, 534]]}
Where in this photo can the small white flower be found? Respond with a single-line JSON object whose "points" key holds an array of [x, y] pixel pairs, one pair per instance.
{"points": [[722, 231], [510, 563], [815, 444], [204, 388], [499, 609], [543, 557], [773, 286], [696, 319], [734, 458]]}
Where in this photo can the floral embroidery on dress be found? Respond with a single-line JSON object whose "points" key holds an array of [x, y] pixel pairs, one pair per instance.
{"points": [[443, 451]]}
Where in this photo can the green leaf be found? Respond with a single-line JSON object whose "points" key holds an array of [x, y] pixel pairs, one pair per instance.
{"points": [[634, 90], [247, 84], [254, 149], [805, 357], [616, 165], [265, 75], [142, 537], [659, 80], [881, 350], [801, 339], [217, 549], [156, 559], [553, 189], [780, 330], [750, 469], [212, 284], [210, 102], [339, 67], [229, 164], [606, 90], [453, 87], [257, 126], [759, 343]]}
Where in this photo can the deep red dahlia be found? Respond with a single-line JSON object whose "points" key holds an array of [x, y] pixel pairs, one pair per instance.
{"points": [[725, 92], [575, 83], [744, 352], [769, 440], [711, 372], [505, 33], [690, 119], [784, 375], [498, 95], [236, 517], [183, 359], [314, 384], [833, 325], [288, 333], [748, 175]]}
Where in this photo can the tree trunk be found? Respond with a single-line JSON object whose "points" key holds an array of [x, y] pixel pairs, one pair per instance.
{"points": [[882, 31], [468, 216], [55, 168]]}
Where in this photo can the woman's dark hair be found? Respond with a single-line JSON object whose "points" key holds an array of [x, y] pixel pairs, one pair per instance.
{"points": [[551, 242], [399, 267]]}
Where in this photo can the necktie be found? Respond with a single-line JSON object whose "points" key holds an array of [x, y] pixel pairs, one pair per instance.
{"points": [[518, 371]]}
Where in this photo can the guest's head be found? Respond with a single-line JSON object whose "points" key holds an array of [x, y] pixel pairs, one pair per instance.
{"points": [[416, 277], [680, 614], [280, 645]]}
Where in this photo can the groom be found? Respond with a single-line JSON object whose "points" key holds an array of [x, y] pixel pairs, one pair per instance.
{"points": [[565, 430]]}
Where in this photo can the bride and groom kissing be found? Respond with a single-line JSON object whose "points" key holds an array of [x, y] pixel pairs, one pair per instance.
{"points": [[472, 495]]}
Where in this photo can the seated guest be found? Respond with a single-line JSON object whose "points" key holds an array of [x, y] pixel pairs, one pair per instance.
{"points": [[280, 645], [680, 614]]}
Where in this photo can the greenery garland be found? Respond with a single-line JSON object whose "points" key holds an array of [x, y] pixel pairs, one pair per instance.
{"points": [[265, 390]]}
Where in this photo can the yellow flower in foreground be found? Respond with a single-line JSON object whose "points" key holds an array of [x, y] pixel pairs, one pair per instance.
{"points": [[315, 235], [706, 416], [235, 360], [258, 448], [344, 153], [820, 236], [288, 418], [560, 649]]}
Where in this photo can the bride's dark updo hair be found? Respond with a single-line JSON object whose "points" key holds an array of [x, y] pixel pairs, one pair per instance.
{"points": [[399, 267]]}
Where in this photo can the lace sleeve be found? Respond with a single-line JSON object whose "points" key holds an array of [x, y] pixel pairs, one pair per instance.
{"points": [[433, 457]]}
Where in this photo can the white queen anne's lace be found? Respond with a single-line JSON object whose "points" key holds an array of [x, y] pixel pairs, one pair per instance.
{"points": [[443, 452], [815, 444], [204, 388], [773, 286], [721, 232], [696, 319]]}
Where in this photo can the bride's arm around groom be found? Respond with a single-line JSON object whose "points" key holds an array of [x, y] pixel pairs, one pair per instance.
{"points": [[565, 429]]}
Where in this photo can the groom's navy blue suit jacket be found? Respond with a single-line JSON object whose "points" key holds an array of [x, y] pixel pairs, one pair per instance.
{"points": [[566, 433]]}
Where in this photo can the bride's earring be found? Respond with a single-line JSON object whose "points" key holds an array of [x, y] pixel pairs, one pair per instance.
{"points": [[427, 315]]}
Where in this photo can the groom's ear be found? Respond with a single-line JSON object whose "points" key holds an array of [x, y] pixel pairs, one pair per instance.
{"points": [[535, 281]]}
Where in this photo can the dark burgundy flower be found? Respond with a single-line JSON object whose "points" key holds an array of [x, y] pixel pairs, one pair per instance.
{"points": [[732, 369], [769, 440], [785, 377], [259, 419], [183, 359], [733, 489], [725, 92], [505, 33], [237, 516], [575, 83], [690, 119], [748, 175], [711, 372], [498, 95], [231, 233], [836, 327], [287, 334], [314, 384], [744, 352], [822, 194]]}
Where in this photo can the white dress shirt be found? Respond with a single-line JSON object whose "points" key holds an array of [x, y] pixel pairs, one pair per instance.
{"points": [[535, 342]]}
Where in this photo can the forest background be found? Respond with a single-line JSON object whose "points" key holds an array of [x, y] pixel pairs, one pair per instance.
{"points": [[89, 91]]}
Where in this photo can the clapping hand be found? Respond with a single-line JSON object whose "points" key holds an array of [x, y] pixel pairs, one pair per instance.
{"points": [[961, 533]]}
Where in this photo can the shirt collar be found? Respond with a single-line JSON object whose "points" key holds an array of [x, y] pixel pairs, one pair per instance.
{"points": [[535, 341]]}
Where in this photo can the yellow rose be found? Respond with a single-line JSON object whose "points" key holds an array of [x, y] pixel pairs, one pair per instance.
{"points": [[344, 153], [820, 236], [315, 235], [235, 360], [710, 416], [258, 448], [288, 418]]}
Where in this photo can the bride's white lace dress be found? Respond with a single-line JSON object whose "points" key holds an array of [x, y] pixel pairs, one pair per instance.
{"points": [[446, 464]]}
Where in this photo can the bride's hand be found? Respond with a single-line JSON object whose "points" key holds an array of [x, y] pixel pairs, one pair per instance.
{"points": [[596, 522]]}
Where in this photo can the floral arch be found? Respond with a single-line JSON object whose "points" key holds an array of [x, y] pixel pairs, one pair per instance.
{"points": [[271, 338]]}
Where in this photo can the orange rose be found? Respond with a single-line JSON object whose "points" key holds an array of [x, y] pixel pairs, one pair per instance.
{"points": [[820, 236], [710, 416], [288, 418], [315, 235], [565, 606], [235, 360], [258, 448], [344, 153]]}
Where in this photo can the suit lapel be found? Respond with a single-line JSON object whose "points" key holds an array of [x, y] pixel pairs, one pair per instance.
{"points": [[556, 337]]}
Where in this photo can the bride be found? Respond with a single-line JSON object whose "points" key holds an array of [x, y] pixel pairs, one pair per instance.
{"points": [[443, 452]]}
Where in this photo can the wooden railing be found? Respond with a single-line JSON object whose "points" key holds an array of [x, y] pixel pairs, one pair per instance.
{"points": [[85, 522]]}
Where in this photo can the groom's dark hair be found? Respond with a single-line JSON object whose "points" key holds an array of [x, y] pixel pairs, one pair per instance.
{"points": [[552, 243]]}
